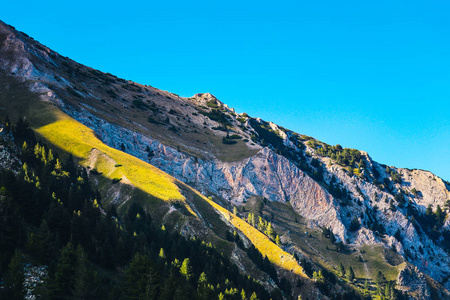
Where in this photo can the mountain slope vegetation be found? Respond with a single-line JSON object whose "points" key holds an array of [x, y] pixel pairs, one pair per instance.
{"points": [[148, 180]]}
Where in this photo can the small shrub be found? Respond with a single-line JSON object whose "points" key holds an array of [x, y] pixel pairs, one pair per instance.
{"points": [[221, 128], [235, 137], [212, 104], [150, 119], [95, 172], [116, 180], [140, 104], [354, 225], [228, 141]]}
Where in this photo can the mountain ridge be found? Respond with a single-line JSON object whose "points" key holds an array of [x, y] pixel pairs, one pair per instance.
{"points": [[234, 157]]}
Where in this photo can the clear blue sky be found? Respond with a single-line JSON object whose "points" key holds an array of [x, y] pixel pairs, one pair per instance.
{"points": [[371, 75]]}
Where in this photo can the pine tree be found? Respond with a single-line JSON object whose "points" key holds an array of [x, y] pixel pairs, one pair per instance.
{"points": [[82, 276], [63, 282], [162, 254], [366, 287], [269, 231], [141, 279], [341, 270], [277, 240], [261, 224], [186, 269], [381, 281], [40, 243], [251, 219], [332, 238], [202, 287], [14, 279], [243, 297], [439, 215], [429, 210], [176, 263], [253, 296], [354, 225], [318, 277], [351, 275]]}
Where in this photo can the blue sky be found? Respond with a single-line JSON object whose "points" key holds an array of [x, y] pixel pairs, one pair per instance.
{"points": [[371, 75]]}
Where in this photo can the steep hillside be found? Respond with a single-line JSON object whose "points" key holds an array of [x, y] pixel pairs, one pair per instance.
{"points": [[330, 206]]}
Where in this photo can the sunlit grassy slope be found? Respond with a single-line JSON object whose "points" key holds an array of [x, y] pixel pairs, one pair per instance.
{"points": [[275, 254], [73, 137]]}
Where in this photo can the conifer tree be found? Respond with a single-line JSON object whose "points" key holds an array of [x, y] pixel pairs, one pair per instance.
{"points": [[269, 231], [162, 254], [140, 280], [277, 240], [186, 269], [341, 269], [439, 215], [62, 284], [318, 277], [243, 297], [253, 296], [332, 238], [14, 280], [261, 224], [351, 274], [82, 276], [202, 288]]}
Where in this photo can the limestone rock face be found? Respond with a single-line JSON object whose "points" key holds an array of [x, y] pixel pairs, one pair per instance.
{"points": [[430, 188], [266, 174]]}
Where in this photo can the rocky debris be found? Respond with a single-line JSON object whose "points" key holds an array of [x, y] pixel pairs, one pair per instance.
{"points": [[9, 154], [411, 280], [34, 276]]}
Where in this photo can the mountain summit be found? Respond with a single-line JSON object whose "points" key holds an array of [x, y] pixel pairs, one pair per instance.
{"points": [[207, 172]]}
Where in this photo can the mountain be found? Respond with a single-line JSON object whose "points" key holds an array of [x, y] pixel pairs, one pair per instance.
{"points": [[204, 171]]}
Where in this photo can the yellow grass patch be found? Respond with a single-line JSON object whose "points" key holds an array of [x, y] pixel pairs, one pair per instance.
{"points": [[73, 137], [275, 254]]}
